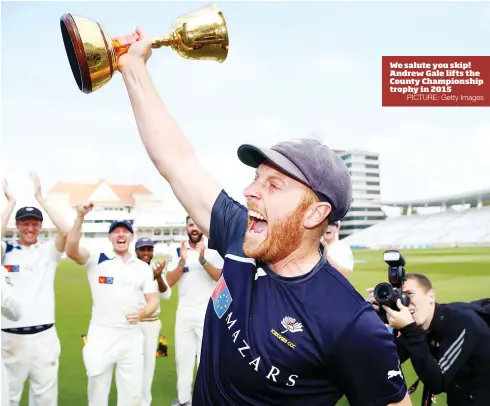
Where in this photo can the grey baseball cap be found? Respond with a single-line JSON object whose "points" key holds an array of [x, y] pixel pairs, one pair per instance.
{"points": [[144, 242], [311, 163]]}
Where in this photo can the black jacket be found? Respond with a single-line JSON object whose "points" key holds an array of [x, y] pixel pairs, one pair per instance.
{"points": [[452, 356]]}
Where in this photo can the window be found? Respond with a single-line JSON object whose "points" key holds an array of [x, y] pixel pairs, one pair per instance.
{"points": [[371, 166], [371, 157], [373, 183], [157, 232]]}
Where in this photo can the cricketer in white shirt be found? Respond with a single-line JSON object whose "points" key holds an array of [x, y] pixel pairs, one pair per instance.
{"points": [[11, 310], [338, 252], [30, 345], [152, 325], [196, 269], [117, 282]]}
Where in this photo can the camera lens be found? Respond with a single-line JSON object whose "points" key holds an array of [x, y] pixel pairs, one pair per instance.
{"points": [[383, 292]]}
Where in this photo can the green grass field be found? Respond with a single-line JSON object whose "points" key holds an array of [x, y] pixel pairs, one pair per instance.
{"points": [[458, 274]]}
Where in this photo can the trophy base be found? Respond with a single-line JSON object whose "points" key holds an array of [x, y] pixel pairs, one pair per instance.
{"points": [[75, 53]]}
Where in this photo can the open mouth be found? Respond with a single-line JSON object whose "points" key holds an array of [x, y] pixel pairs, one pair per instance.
{"points": [[121, 241], [258, 222]]}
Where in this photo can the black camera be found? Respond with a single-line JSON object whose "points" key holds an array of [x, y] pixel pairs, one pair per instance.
{"points": [[387, 293]]}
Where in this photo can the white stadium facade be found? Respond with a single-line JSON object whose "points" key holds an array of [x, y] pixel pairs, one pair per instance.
{"points": [[151, 217], [460, 220]]}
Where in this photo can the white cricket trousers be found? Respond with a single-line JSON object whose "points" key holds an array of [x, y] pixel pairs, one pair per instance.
{"points": [[188, 337], [151, 332], [34, 357], [108, 347], [5, 387]]}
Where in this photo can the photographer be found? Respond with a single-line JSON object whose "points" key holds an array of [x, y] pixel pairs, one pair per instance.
{"points": [[448, 344]]}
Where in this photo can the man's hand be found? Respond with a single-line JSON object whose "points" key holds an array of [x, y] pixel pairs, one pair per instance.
{"points": [[37, 185], [371, 299], [133, 318], [201, 247], [158, 268], [183, 252], [8, 194], [85, 209], [139, 50], [400, 319]]}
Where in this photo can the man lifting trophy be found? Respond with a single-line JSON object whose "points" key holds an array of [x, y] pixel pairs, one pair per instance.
{"points": [[93, 55]]}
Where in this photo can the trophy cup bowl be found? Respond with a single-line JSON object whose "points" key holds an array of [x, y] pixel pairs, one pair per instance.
{"points": [[93, 54]]}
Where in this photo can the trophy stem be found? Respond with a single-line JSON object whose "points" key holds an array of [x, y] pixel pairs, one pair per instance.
{"points": [[161, 42]]}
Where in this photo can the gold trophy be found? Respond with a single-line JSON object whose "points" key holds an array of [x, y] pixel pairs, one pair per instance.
{"points": [[93, 55]]}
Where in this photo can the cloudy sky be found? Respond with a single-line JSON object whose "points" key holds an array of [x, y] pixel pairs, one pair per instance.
{"points": [[294, 70]]}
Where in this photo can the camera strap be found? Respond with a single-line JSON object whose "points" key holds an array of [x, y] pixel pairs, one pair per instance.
{"points": [[427, 398], [413, 387]]}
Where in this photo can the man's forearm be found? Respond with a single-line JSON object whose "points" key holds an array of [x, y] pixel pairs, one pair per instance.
{"points": [[6, 215], [161, 284], [150, 307], [55, 216], [73, 237], [425, 365], [165, 144], [212, 271], [174, 276]]}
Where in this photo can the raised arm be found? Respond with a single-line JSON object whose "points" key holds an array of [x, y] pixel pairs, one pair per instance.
{"points": [[166, 145], [7, 212], [73, 250], [56, 217], [212, 265], [174, 275], [163, 288]]}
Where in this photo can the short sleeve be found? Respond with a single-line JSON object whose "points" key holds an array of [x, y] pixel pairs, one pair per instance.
{"points": [[228, 223], [369, 367], [51, 251], [168, 293], [342, 255], [215, 259], [149, 285], [94, 258]]}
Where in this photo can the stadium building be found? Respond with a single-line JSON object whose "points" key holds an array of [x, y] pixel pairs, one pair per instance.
{"points": [[460, 220], [365, 210], [150, 217]]}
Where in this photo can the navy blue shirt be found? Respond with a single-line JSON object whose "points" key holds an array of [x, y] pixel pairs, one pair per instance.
{"points": [[306, 340]]}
